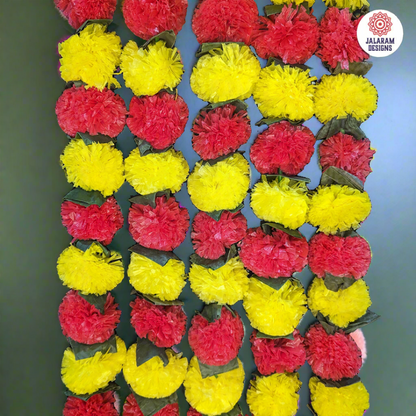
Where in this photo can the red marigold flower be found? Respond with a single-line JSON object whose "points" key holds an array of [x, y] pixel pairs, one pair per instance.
{"points": [[77, 12], [92, 222], [161, 228], [81, 110], [84, 323], [163, 325], [224, 20], [278, 355], [332, 357], [100, 404], [283, 146], [147, 18], [347, 153], [338, 41], [131, 408], [210, 238], [220, 131], [339, 256], [216, 343], [159, 119], [275, 255], [291, 35]]}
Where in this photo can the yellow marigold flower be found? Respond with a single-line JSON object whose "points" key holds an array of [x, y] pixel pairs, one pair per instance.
{"points": [[225, 285], [285, 202], [275, 312], [216, 394], [294, 2], [338, 96], [94, 167], [166, 282], [91, 374], [223, 185], [338, 208], [285, 92], [342, 307], [91, 56], [91, 271], [226, 73], [275, 395], [153, 379], [147, 71], [346, 4], [351, 400], [156, 172]]}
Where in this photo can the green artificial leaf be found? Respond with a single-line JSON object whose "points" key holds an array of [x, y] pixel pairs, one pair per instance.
{"points": [[214, 48], [335, 283], [216, 215], [329, 327], [360, 12], [212, 312], [212, 370], [168, 36], [348, 125], [97, 301], [149, 199], [238, 104], [84, 245], [268, 226], [214, 264], [356, 68], [150, 407], [311, 409], [110, 387], [105, 22], [269, 121], [334, 175], [341, 383], [271, 178], [82, 351], [348, 233], [276, 9], [85, 198], [279, 62], [368, 318], [158, 302], [263, 335], [77, 84], [158, 256], [146, 350], [213, 162], [274, 283], [88, 139]]}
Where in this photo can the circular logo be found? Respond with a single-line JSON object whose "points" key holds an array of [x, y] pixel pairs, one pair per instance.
{"points": [[380, 33]]}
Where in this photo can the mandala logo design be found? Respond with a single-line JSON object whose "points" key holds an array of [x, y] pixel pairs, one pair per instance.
{"points": [[380, 24]]}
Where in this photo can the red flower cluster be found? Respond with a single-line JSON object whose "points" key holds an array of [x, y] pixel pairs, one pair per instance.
{"points": [[77, 12], [210, 238], [161, 228], [338, 41], [99, 404], [283, 146], [163, 325], [332, 357], [348, 153], [147, 18], [92, 222], [220, 131], [90, 111], [224, 20], [84, 323], [275, 255], [216, 343], [339, 256], [291, 35], [159, 119], [278, 355], [131, 408]]}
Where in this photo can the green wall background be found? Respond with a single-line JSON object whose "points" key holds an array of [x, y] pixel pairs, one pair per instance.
{"points": [[32, 185]]}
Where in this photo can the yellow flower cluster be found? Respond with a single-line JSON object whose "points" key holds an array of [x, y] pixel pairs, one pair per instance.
{"points": [[285, 202], [338, 96], [225, 285], [166, 282], [91, 374], [94, 167], [213, 395], [346, 4], [275, 395], [91, 56], [285, 92], [275, 312], [91, 271], [147, 71], [342, 307], [153, 379], [338, 208], [223, 185], [294, 2], [226, 73], [351, 400]]}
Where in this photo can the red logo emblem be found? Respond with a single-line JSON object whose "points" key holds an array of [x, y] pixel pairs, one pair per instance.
{"points": [[380, 24]]}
